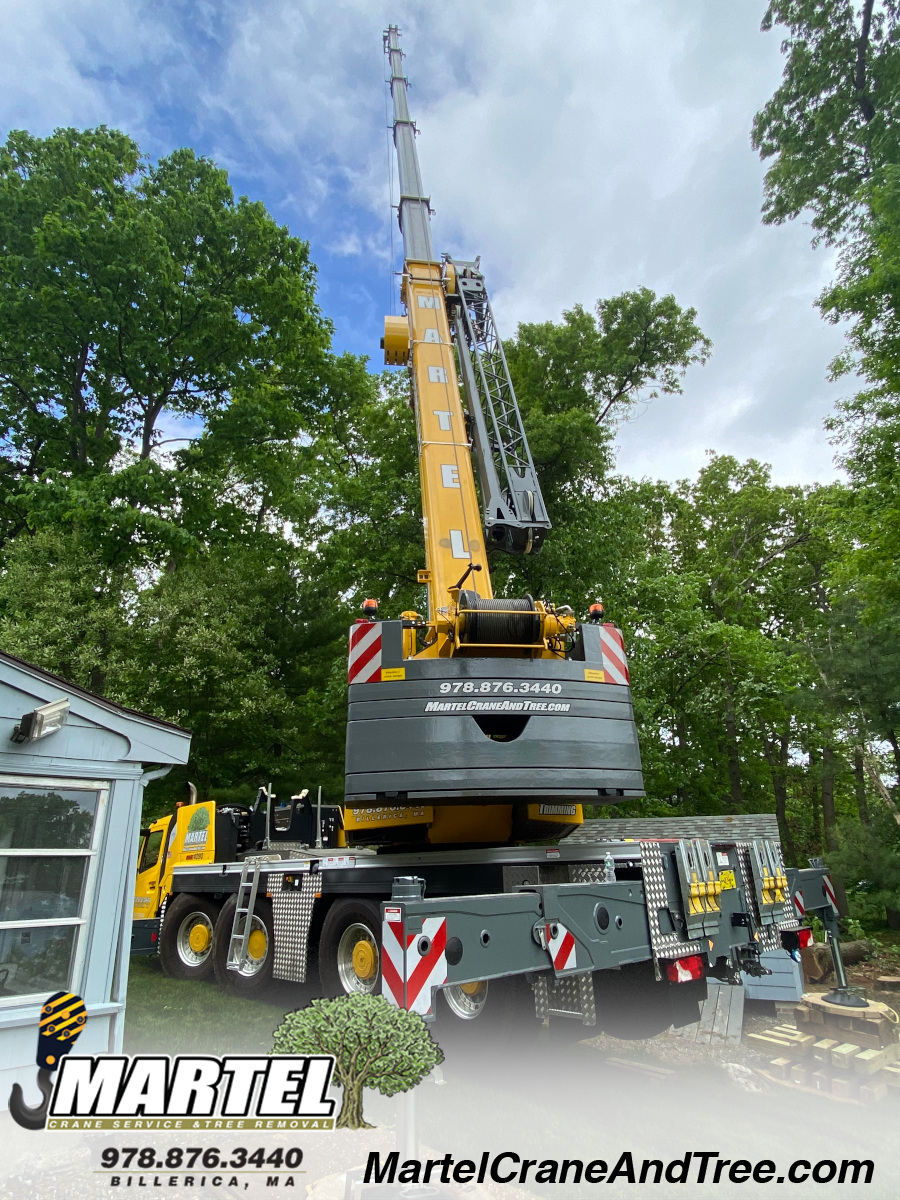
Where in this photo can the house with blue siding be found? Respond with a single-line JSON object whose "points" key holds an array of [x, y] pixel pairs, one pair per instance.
{"points": [[73, 767]]}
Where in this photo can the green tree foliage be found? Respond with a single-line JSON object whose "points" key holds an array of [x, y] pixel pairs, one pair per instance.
{"points": [[131, 294], [867, 425], [172, 567], [374, 1044], [869, 860], [832, 132], [833, 122], [211, 580], [572, 376], [574, 379]]}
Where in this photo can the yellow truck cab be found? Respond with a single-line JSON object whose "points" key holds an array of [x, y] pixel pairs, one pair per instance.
{"points": [[187, 835], [179, 926]]}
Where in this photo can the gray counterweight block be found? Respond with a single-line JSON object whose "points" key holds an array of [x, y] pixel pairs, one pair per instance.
{"points": [[499, 730]]}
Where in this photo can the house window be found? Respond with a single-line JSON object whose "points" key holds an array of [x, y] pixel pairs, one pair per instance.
{"points": [[49, 838]]}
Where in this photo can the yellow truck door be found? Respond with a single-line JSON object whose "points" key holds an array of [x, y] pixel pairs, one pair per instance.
{"points": [[147, 891]]}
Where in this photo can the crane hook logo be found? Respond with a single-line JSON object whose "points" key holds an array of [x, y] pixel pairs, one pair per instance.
{"points": [[63, 1016]]}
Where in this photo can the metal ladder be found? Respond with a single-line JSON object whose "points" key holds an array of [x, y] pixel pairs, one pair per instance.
{"points": [[246, 902]]}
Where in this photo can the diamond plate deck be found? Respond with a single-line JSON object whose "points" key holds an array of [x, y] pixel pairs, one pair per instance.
{"points": [[769, 935], [665, 945], [292, 913], [588, 872], [572, 997]]}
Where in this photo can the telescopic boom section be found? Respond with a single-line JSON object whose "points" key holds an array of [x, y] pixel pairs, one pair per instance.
{"points": [[454, 540]]}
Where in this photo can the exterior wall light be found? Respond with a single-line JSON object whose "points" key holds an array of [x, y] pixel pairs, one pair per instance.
{"points": [[43, 721]]}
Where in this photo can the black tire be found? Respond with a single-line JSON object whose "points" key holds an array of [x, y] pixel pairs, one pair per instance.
{"points": [[347, 923], [256, 975], [181, 957], [631, 1003]]}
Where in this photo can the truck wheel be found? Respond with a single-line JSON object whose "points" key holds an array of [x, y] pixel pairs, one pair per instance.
{"points": [[350, 948], [490, 1014], [256, 973], [186, 940]]}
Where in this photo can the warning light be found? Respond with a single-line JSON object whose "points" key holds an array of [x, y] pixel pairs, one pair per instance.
{"points": [[370, 609], [683, 970], [596, 612]]}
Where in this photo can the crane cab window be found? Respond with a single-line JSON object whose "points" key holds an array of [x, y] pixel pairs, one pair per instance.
{"points": [[282, 816]]}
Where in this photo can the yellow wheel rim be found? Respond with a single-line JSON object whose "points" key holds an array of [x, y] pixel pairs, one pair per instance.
{"points": [[365, 960], [472, 989], [199, 938], [256, 944]]}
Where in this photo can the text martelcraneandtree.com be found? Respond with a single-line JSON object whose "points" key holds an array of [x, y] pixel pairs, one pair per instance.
{"points": [[694, 1166]]}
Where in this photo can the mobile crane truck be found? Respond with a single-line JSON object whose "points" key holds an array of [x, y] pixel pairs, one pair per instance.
{"points": [[476, 734]]}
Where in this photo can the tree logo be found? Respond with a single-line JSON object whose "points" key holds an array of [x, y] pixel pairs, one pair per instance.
{"points": [[197, 829], [374, 1044]]}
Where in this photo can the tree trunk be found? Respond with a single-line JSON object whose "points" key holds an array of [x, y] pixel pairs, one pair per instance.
{"points": [[778, 768], [829, 819], [154, 408], [351, 1116], [866, 106], [892, 738], [859, 777], [872, 772], [734, 763], [814, 800]]}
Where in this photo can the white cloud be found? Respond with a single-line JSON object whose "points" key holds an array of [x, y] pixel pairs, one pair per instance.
{"points": [[581, 148], [65, 62]]}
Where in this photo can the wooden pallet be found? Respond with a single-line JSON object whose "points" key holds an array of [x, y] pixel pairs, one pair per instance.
{"points": [[721, 1017]]}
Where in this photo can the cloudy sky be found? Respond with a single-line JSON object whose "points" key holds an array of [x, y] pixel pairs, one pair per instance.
{"points": [[582, 147]]}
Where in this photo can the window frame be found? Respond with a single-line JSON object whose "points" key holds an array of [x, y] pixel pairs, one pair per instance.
{"points": [[93, 855]]}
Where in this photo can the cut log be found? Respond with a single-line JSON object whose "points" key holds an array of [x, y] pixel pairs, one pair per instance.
{"points": [[819, 963]]}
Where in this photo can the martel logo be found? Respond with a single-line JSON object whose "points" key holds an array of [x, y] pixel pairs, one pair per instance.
{"points": [[197, 829], [199, 1091]]}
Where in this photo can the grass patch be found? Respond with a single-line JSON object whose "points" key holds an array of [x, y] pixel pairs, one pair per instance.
{"points": [[177, 1016]]}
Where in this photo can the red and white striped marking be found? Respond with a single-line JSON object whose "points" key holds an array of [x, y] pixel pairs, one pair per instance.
{"points": [[393, 958], [799, 906], [613, 646], [561, 948], [426, 971], [407, 976], [828, 889], [365, 653]]}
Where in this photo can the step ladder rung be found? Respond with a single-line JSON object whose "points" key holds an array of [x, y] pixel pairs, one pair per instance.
{"points": [[244, 907]]}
